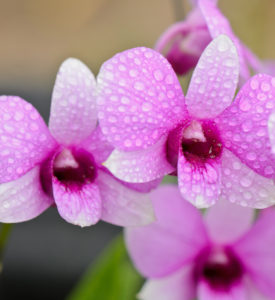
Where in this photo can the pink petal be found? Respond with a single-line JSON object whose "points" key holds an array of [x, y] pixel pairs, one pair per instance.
{"points": [[121, 205], [142, 165], [178, 286], [168, 244], [144, 187], [199, 185], [271, 130], [256, 249], [214, 79], [140, 98], [79, 206], [243, 186], [97, 144], [183, 42], [25, 138], [237, 292], [73, 111], [253, 293], [268, 67], [243, 125], [217, 25], [23, 199], [226, 222]]}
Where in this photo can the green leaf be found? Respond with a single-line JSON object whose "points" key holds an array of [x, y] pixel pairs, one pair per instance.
{"points": [[111, 277]]}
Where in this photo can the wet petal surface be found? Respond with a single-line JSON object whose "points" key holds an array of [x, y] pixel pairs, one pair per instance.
{"points": [[140, 98], [73, 113], [244, 125], [243, 186], [199, 184], [25, 140], [214, 79], [140, 166], [23, 199], [122, 205]]}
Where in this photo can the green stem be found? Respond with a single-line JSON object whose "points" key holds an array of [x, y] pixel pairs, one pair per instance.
{"points": [[5, 230]]}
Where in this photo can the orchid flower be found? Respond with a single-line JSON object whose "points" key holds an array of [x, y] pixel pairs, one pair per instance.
{"points": [[62, 165], [217, 148], [183, 42], [221, 256]]}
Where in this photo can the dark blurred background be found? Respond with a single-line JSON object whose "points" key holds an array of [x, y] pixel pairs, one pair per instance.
{"points": [[45, 257]]}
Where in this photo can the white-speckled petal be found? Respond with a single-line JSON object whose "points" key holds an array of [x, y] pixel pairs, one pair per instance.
{"points": [[214, 79], [23, 199], [243, 186], [73, 111], [142, 165], [244, 125], [78, 205], [139, 99], [199, 185], [218, 24], [25, 140], [121, 205], [97, 144]]}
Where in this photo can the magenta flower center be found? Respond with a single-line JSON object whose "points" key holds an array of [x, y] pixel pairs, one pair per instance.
{"points": [[74, 167], [220, 268], [200, 142]]}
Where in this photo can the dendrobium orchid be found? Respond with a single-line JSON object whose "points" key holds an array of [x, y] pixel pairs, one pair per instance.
{"points": [[221, 256], [62, 165], [217, 148], [183, 42]]}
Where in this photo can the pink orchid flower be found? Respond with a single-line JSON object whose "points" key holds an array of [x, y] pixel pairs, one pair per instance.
{"points": [[62, 165], [218, 149], [223, 256], [183, 42]]}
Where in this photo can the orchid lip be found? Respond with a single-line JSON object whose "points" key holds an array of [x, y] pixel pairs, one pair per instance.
{"points": [[73, 168], [219, 267], [199, 142]]}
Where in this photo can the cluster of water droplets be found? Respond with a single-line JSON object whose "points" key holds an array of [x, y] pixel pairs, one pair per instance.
{"points": [[244, 125], [24, 137], [139, 98]]}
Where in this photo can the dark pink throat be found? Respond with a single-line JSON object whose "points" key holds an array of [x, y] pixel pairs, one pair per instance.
{"points": [[206, 145], [220, 268], [199, 142], [74, 167]]}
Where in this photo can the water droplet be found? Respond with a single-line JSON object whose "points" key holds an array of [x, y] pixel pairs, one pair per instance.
{"points": [[158, 75], [139, 86], [133, 73], [223, 44], [265, 87], [147, 106], [251, 156], [269, 170], [247, 125], [125, 100], [245, 105], [246, 182], [128, 143]]}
